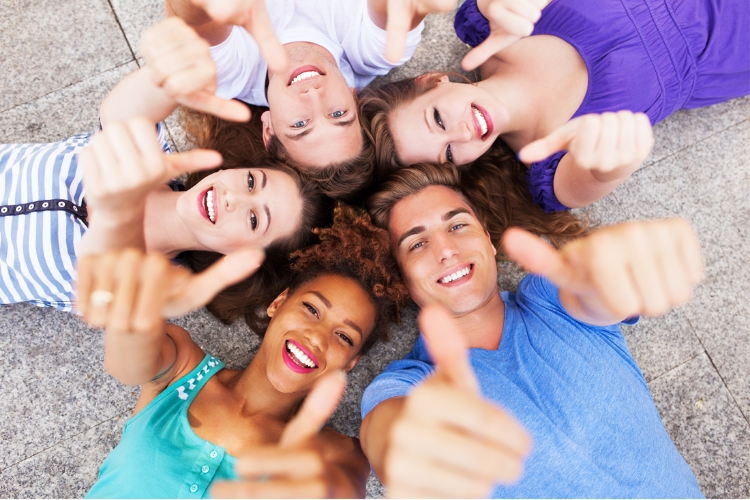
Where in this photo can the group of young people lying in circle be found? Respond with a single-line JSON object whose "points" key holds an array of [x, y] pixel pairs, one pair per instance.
{"points": [[531, 394]]}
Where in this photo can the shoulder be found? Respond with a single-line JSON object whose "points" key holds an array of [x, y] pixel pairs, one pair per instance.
{"points": [[189, 355]]}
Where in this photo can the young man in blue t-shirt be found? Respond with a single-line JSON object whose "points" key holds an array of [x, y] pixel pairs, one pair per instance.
{"points": [[547, 384]]}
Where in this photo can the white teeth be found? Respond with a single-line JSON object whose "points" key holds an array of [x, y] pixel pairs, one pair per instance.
{"points": [[210, 205], [299, 355], [480, 119], [304, 76], [458, 274]]}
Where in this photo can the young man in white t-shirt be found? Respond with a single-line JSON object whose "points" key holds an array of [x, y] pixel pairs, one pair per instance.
{"points": [[333, 48]]}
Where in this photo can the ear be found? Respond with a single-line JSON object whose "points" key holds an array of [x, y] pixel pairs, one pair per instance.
{"points": [[271, 310], [352, 363], [265, 119], [494, 250], [421, 78]]}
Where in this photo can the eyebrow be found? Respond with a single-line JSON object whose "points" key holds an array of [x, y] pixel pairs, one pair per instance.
{"points": [[296, 137], [418, 229], [268, 215], [427, 121], [346, 123], [322, 298], [263, 183], [353, 325], [410, 232]]}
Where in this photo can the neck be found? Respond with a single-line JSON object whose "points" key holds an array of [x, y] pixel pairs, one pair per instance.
{"points": [[542, 81], [483, 327], [164, 230], [259, 398]]}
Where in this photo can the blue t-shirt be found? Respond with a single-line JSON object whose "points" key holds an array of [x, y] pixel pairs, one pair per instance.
{"points": [[579, 393]]}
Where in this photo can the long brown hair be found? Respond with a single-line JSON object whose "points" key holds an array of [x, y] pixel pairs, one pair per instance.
{"points": [[375, 107], [496, 212], [241, 145]]}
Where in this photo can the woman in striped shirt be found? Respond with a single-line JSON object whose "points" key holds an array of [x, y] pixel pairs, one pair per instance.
{"points": [[44, 219]]}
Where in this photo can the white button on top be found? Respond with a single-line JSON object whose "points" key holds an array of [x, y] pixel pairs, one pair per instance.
{"points": [[194, 488], [205, 469], [45, 204], [213, 454], [60, 203]]}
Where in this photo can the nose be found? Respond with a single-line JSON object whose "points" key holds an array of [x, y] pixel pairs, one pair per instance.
{"points": [[461, 132], [317, 336], [444, 247], [229, 200]]}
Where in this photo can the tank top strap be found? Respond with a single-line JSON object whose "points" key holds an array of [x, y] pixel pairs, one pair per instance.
{"points": [[188, 386]]}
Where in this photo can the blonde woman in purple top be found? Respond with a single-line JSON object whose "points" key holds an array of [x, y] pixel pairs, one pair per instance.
{"points": [[572, 86]]}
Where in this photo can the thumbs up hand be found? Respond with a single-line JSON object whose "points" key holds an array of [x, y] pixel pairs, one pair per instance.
{"points": [[303, 464], [448, 441], [635, 268]]}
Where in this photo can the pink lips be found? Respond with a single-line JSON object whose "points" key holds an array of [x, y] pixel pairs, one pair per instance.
{"points": [[202, 207], [487, 118], [301, 70], [459, 281], [291, 363]]}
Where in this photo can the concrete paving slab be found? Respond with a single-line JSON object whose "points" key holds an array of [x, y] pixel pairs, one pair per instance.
{"points": [[66, 470], [706, 426], [63, 113], [661, 344], [54, 383], [48, 45], [135, 16], [689, 126]]}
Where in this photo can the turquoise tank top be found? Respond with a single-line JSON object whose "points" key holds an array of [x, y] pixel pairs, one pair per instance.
{"points": [[159, 455]]}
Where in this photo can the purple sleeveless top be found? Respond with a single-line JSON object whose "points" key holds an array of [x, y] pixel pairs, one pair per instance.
{"points": [[650, 56]]}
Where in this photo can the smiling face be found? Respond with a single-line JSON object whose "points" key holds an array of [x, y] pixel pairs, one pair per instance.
{"points": [[454, 122], [234, 208], [319, 328], [444, 253], [313, 112]]}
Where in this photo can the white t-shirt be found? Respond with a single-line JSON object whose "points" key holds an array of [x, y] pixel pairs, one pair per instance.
{"points": [[343, 27]]}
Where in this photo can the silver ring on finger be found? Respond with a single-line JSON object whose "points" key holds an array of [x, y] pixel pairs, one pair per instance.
{"points": [[101, 298]]}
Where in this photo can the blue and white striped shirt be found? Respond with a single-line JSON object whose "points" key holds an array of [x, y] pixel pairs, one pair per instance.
{"points": [[38, 250]]}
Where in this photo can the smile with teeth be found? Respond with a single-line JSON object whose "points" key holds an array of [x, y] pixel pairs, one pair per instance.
{"points": [[482, 121], [304, 76], [458, 274], [208, 203], [298, 356]]}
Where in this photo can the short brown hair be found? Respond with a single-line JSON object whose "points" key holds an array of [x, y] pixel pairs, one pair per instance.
{"points": [[344, 180], [494, 187]]}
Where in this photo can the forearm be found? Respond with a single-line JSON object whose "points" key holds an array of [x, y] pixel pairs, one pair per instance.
{"points": [[111, 232], [135, 359], [136, 95], [577, 187], [375, 433], [378, 11]]}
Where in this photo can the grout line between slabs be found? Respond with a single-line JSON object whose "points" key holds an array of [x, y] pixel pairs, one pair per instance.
{"points": [[117, 20], [718, 372], [694, 143], [71, 84], [64, 440]]}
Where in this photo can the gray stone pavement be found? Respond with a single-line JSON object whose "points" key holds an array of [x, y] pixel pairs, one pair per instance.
{"points": [[61, 414]]}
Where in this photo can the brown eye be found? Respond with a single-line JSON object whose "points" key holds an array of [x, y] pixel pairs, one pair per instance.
{"points": [[253, 221], [250, 181]]}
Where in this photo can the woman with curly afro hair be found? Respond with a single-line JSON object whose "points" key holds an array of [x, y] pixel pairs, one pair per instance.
{"points": [[194, 416]]}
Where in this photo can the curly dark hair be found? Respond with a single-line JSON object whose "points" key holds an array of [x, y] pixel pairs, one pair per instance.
{"points": [[354, 248]]}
